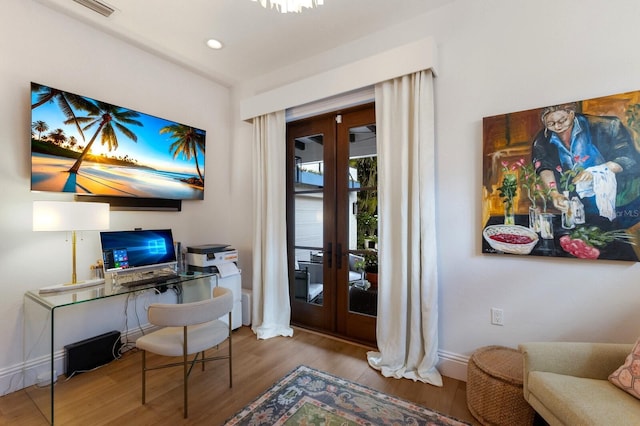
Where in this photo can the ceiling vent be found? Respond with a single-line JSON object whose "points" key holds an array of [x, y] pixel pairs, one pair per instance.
{"points": [[97, 6]]}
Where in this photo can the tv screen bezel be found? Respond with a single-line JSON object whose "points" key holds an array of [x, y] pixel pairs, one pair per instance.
{"points": [[189, 186]]}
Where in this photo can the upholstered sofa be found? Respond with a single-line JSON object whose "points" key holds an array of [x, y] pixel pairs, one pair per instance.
{"points": [[567, 383]]}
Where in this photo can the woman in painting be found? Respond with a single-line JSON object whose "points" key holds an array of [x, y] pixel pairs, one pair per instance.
{"points": [[591, 156]]}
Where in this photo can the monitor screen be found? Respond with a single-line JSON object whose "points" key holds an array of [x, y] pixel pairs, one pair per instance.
{"points": [[137, 249]]}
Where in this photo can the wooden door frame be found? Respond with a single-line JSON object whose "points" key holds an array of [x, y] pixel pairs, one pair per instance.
{"points": [[315, 316], [350, 325], [333, 317]]}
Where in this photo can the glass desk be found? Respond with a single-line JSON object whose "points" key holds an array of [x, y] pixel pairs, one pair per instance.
{"points": [[40, 326]]}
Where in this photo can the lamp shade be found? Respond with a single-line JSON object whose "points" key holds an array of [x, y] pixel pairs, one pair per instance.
{"points": [[70, 216]]}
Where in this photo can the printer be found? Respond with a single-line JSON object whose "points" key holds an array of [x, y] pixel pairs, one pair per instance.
{"points": [[223, 261], [211, 257]]}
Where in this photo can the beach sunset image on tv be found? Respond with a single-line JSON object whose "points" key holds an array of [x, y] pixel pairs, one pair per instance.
{"points": [[84, 146]]}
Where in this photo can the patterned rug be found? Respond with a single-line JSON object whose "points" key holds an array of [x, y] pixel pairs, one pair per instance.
{"points": [[311, 397]]}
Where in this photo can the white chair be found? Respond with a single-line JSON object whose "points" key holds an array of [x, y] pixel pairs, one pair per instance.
{"points": [[189, 328]]}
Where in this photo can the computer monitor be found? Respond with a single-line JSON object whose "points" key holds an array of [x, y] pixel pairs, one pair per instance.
{"points": [[139, 249]]}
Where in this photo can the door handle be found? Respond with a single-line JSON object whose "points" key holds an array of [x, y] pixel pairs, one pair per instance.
{"points": [[339, 256], [330, 254]]}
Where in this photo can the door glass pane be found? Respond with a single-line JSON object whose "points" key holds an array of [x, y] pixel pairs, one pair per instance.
{"points": [[309, 174], [363, 221], [309, 223]]}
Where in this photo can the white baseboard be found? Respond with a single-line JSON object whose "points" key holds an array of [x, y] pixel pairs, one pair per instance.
{"points": [[453, 365], [11, 379], [37, 370], [26, 374]]}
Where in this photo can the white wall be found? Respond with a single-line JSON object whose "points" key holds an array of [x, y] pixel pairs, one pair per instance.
{"points": [[41, 45], [498, 56], [507, 56]]}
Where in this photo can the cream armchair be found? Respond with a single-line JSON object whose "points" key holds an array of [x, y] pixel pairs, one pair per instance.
{"points": [[567, 383]]}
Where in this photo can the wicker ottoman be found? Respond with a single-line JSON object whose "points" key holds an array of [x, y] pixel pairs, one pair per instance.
{"points": [[494, 387]]}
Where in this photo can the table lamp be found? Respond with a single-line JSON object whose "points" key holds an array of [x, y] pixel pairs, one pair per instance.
{"points": [[70, 217]]}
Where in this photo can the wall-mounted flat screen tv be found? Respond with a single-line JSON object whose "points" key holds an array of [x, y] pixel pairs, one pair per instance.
{"points": [[85, 146]]}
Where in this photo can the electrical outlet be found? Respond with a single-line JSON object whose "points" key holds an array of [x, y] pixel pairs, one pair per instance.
{"points": [[497, 316]]}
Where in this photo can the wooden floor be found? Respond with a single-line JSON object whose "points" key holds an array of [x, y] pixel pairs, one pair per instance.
{"points": [[111, 395]]}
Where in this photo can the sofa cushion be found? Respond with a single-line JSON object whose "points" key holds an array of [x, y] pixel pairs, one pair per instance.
{"points": [[627, 376], [581, 401]]}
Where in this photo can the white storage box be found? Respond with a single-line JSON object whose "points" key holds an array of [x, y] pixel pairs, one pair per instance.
{"points": [[246, 306]]}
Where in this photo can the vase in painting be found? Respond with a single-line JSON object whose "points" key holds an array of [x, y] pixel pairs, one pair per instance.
{"points": [[534, 219], [509, 216]]}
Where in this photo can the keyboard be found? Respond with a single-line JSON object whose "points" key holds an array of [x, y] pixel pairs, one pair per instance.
{"points": [[146, 279]]}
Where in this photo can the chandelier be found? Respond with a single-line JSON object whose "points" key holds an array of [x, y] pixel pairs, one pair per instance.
{"points": [[285, 6]]}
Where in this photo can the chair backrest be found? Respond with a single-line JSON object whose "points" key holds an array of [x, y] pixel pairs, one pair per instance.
{"points": [[314, 269], [353, 259], [178, 315]]}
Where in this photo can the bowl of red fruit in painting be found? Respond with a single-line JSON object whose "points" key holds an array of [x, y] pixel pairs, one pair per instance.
{"points": [[512, 239]]}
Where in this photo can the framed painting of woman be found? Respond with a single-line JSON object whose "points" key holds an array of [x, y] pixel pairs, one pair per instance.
{"points": [[564, 180]]}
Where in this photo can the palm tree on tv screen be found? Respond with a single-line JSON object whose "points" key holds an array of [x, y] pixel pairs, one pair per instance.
{"points": [[39, 126], [108, 118], [188, 141], [72, 141], [58, 137], [65, 101]]}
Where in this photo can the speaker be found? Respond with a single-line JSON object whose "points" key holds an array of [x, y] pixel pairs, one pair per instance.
{"points": [[90, 353]]}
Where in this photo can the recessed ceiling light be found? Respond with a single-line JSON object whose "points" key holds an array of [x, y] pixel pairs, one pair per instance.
{"points": [[214, 44]]}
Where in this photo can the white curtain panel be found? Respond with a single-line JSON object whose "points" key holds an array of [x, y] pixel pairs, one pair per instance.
{"points": [[271, 313], [407, 330]]}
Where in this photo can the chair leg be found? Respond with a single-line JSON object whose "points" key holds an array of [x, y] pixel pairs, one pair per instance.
{"points": [[230, 363], [144, 376], [202, 360], [186, 374]]}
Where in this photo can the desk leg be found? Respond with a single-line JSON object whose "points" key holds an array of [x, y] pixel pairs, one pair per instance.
{"points": [[38, 354], [52, 377]]}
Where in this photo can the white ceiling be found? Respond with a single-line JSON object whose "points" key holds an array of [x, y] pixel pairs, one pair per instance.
{"points": [[256, 40]]}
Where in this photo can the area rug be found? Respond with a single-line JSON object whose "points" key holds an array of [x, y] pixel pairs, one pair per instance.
{"points": [[311, 397]]}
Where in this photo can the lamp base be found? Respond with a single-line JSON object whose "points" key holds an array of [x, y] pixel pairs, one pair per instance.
{"points": [[58, 288]]}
